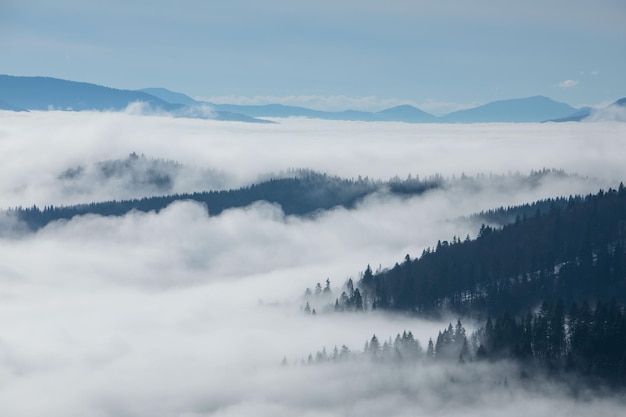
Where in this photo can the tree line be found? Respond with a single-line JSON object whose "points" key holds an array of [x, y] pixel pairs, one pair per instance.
{"points": [[574, 251], [586, 341], [304, 193]]}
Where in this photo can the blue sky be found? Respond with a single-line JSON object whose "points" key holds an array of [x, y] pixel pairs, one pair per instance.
{"points": [[439, 55]]}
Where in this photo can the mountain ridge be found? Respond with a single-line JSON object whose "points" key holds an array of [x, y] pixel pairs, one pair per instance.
{"points": [[19, 93], [46, 93], [517, 110]]}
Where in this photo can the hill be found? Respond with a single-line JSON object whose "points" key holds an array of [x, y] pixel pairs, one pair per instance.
{"points": [[171, 96], [530, 109], [406, 113], [577, 116], [43, 93], [302, 194], [8, 106], [574, 252], [46, 93], [616, 111]]}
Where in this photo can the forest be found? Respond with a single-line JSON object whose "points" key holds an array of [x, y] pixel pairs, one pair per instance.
{"points": [[583, 341], [302, 193], [550, 288], [298, 192], [575, 251]]}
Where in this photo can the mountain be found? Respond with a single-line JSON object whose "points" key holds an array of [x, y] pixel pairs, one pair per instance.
{"points": [[403, 113], [270, 110], [8, 106], [577, 116], [45, 93], [406, 113], [616, 111], [171, 96], [530, 109]]}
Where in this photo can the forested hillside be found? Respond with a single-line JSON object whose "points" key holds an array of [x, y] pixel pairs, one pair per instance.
{"points": [[573, 252], [550, 288], [301, 194], [297, 192], [582, 341]]}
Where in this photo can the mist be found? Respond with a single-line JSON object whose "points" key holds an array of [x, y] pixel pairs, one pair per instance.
{"points": [[179, 313]]}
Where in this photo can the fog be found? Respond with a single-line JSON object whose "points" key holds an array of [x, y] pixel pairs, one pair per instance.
{"points": [[182, 314], [36, 147]]}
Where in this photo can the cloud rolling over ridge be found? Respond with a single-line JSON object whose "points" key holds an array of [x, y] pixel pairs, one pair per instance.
{"points": [[179, 313]]}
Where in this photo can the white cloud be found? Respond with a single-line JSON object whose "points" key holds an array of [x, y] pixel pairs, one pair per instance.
{"points": [[567, 83], [246, 151], [181, 314], [612, 113]]}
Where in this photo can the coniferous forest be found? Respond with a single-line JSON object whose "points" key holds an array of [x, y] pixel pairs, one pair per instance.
{"points": [[549, 288]]}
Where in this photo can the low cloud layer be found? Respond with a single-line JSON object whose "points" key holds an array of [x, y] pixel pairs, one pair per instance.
{"points": [[36, 147], [182, 314]]}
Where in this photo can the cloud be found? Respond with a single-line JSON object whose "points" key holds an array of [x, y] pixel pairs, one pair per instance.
{"points": [[612, 113], [567, 83], [246, 151], [180, 314]]}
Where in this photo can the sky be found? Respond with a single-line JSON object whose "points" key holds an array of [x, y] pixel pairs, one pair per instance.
{"points": [[180, 314], [438, 55]]}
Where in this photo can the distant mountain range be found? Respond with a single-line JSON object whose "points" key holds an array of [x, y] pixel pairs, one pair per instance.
{"points": [[44, 93], [530, 109], [534, 109], [615, 112]]}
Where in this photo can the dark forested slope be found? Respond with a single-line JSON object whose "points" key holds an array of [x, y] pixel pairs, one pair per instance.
{"points": [[302, 194], [575, 251]]}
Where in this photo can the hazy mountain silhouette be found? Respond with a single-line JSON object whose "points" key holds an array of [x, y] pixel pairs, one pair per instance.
{"points": [[406, 113], [576, 116], [530, 109], [8, 106], [273, 110], [45, 93], [171, 96], [616, 111]]}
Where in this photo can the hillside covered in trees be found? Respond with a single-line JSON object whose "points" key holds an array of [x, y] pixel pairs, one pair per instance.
{"points": [[301, 194], [297, 192], [575, 252], [550, 288], [584, 341]]}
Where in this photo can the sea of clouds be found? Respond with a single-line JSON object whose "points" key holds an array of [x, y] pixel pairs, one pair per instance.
{"points": [[183, 314]]}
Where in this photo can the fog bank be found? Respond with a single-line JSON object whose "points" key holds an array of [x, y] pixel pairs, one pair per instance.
{"points": [[182, 314]]}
